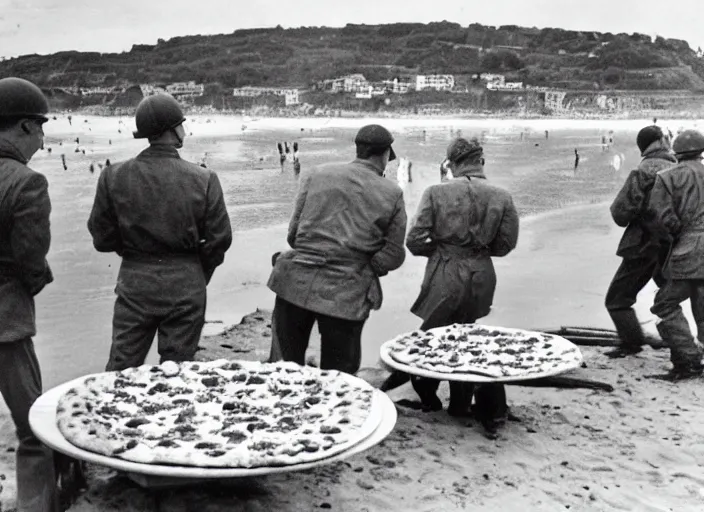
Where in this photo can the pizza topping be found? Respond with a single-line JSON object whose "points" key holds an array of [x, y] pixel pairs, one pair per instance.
{"points": [[490, 351], [158, 388], [136, 422], [210, 382], [217, 414]]}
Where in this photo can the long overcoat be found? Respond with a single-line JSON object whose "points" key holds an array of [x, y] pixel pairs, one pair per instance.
{"points": [[460, 224]]}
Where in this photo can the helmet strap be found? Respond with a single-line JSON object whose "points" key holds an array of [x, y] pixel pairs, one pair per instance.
{"points": [[178, 138]]}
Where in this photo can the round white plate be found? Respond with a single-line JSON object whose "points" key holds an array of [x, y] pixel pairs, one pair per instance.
{"points": [[42, 419], [384, 353]]}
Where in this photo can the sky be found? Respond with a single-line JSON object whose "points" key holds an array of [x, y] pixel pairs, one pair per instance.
{"points": [[49, 26]]}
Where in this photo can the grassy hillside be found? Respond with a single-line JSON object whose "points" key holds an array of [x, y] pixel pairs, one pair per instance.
{"points": [[299, 57]]}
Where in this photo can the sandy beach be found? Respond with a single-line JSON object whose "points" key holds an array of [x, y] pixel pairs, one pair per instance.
{"points": [[638, 448]]}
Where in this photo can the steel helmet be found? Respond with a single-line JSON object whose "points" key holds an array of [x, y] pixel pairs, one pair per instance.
{"points": [[20, 98], [689, 141], [157, 114]]}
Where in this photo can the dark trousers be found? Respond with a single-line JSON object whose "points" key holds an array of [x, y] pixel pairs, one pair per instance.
{"points": [[490, 398], [21, 385], [135, 323], [685, 350], [340, 344], [630, 278]]}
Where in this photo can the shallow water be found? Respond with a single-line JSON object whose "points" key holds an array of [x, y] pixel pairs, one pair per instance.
{"points": [[74, 313]]}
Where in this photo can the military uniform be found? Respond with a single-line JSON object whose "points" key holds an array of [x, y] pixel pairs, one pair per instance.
{"points": [[678, 214], [167, 219], [24, 272], [346, 231]]}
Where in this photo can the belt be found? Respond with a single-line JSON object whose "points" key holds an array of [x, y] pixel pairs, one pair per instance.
{"points": [[464, 251], [145, 257]]}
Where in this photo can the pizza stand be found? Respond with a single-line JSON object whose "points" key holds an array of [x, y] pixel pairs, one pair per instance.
{"points": [[42, 418]]}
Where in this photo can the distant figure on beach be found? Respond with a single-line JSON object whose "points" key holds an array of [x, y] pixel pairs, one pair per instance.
{"points": [[110, 142], [25, 238], [107, 162], [91, 168], [445, 171], [576, 159], [166, 218], [655, 120], [546, 135], [78, 141], [63, 162], [331, 275], [69, 120], [642, 253], [675, 210], [522, 134], [282, 155], [603, 143], [403, 173], [296, 161], [460, 280]]}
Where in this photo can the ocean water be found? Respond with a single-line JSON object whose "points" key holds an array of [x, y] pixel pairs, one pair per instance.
{"points": [[75, 312]]}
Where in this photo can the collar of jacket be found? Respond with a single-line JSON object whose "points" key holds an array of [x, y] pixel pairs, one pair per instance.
{"points": [[161, 150], [369, 165], [470, 171], [8, 150], [658, 152]]}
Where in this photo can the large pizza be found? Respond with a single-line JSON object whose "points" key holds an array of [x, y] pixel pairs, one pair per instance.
{"points": [[477, 350], [219, 414]]}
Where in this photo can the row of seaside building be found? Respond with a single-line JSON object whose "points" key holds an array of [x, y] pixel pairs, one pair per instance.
{"points": [[355, 84]]}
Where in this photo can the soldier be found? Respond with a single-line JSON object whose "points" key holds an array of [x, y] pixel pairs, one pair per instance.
{"points": [[642, 253], [167, 219], [346, 231], [676, 212], [24, 272], [459, 226]]}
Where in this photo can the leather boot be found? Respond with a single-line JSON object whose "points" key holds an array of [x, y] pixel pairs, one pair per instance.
{"points": [[427, 389], [685, 350], [460, 399], [629, 331]]}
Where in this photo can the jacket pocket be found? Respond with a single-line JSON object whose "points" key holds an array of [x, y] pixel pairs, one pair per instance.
{"points": [[686, 258], [309, 260]]}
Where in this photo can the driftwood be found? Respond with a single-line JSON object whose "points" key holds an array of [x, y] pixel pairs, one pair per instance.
{"points": [[399, 378], [563, 382], [591, 337]]}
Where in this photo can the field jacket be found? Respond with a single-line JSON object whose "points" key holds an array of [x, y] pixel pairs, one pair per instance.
{"points": [[346, 230], [160, 206], [676, 207], [24, 243], [629, 207]]}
